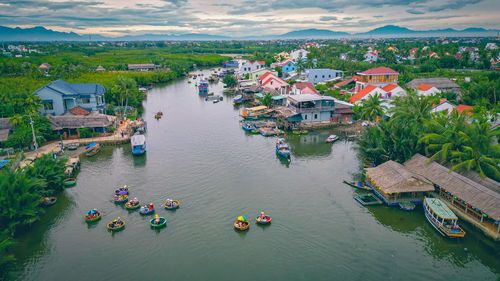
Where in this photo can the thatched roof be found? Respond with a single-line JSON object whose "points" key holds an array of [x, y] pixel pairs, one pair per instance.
{"points": [[392, 177], [5, 127], [69, 121], [474, 193]]}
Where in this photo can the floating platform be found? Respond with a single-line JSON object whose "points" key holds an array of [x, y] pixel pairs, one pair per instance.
{"points": [[368, 199]]}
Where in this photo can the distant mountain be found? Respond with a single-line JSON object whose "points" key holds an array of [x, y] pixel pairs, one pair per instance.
{"points": [[37, 33], [40, 33], [313, 33], [398, 31]]}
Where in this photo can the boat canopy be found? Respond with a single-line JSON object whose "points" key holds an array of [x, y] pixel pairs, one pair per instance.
{"points": [[257, 108], [440, 209], [138, 140], [91, 145]]}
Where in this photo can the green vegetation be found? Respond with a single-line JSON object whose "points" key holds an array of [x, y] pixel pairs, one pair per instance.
{"points": [[266, 100], [230, 81], [21, 197], [459, 141]]}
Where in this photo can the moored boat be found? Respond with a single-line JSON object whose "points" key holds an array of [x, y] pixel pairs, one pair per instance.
{"points": [[116, 225], [442, 218], [282, 148], [158, 222], [367, 199], [49, 201], [122, 190], [247, 126], [332, 138], [357, 185], [69, 182], [92, 149], [241, 223], [171, 204], [238, 99], [92, 216], [72, 146], [407, 205], [138, 144], [203, 87]]}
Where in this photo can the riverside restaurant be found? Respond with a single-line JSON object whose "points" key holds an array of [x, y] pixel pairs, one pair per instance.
{"points": [[395, 184], [474, 199]]}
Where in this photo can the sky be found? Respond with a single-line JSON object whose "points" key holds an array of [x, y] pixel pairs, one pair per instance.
{"points": [[241, 18]]}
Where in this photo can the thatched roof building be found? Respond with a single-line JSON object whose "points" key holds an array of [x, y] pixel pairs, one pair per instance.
{"points": [[392, 177], [5, 128], [70, 121], [472, 192]]}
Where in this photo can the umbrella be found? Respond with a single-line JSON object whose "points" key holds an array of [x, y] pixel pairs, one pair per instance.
{"points": [[242, 218], [122, 192]]}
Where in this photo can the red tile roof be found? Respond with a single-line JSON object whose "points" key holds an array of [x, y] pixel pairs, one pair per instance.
{"points": [[79, 111], [302, 85], [463, 108], [390, 87], [379, 71], [424, 87], [263, 76], [361, 94]]}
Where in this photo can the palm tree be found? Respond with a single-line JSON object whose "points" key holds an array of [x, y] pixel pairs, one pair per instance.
{"points": [[372, 145], [125, 87], [372, 108], [266, 100], [443, 135], [5, 257], [479, 150]]}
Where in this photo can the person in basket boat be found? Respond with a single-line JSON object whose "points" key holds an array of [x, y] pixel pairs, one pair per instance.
{"points": [[92, 214], [116, 223], [171, 203], [157, 219]]}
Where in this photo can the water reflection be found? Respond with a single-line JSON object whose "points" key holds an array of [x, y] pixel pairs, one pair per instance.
{"points": [[310, 145]]}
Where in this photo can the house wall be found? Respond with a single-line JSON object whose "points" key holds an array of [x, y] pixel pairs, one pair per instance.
{"points": [[443, 107], [316, 116], [57, 101], [320, 75], [289, 67], [247, 67], [432, 91]]}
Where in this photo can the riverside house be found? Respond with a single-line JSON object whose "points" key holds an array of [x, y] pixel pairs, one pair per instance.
{"points": [[379, 76], [142, 67], [318, 75], [249, 66], [60, 96], [312, 108]]}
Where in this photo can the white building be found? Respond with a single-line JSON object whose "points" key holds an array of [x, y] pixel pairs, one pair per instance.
{"points": [[371, 57], [250, 66], [443, 105], [427, 90], [299, 54]]}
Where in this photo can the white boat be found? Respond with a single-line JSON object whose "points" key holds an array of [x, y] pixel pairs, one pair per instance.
{"points": [[442, 218], [138, 144], [332, 138]]}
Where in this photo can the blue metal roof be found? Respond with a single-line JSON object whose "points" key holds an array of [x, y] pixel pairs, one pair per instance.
{"points": [[68, 89]]}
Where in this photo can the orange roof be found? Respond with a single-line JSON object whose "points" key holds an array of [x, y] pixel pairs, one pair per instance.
{"points": [[424, 87], [379, 71], [390, 87], [79, 111], [361, 94], [463, 107], [261, 78]]}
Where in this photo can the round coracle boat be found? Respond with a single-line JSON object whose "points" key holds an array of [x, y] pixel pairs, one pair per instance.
{"points": [[172, 204], [92, 216], [116, 225], [241, 225], [263, 220], [132, 205], [158, 222]]}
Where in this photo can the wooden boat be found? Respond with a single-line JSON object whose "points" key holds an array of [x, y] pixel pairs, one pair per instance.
{"points": [[113, 227], [367, 199], [162, 223], [442, 218], [264, 220], [241, 225], [332, 139], [355, 185], [406, 205], [300, 132], [120, 199], [174, 205], [282, 148], [69, 182], [132, 205], [203, 87], [90, 219], [49, 201], [238, 99], [138, 144], [72, 146], [92, 149], [146, 211], [269, 132], [247, 126], [123, 189]]}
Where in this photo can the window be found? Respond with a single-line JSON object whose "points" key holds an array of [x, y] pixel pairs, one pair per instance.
{"points": [[323, 76], [329, 76], [315, 116], [85, 99], [305, 117], [315, 76], [48, 104], [99, 100]]}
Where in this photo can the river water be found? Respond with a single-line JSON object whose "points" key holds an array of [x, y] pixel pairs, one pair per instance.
{"points": [[199, 154]]}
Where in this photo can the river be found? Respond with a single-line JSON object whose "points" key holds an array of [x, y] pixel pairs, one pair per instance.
{"points": [[199, 154]]}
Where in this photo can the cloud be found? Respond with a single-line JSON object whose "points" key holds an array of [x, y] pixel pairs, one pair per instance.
{"points": [[453, 5], [415, 12], [328, 18]]}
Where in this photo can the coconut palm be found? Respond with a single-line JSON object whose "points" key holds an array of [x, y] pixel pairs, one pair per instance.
{"points": [[371, 145], [372, 108], [443, 135], [5, 257], [479, 150], [266, 100], [125, 88]]}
